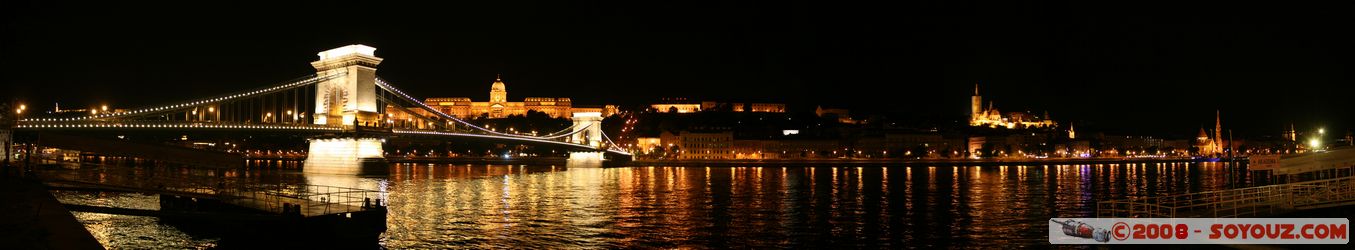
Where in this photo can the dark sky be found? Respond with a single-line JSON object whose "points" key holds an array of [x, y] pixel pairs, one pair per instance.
{"points": [[1132, 67]]}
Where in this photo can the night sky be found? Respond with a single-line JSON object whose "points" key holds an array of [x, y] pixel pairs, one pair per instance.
{"points": [[1130, 68]]}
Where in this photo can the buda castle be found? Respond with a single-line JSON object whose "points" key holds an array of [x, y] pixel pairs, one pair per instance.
{"points": [[498, 105]]}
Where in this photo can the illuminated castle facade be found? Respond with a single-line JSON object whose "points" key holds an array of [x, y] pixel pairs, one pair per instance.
{"points": [[991, 117], [498, 105]]}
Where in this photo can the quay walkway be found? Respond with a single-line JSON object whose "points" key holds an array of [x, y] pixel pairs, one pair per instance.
{"points": [[31, 218]]}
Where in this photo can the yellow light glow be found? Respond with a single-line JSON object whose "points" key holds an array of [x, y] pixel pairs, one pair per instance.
{"points": [[23, 107], [347, 50], [93, 111], [340, 156], [211, 109], [1314, 143], [104, 108]]}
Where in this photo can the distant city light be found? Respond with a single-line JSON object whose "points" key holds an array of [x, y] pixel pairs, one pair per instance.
{"points": [[104, 107], [1314, 143]]}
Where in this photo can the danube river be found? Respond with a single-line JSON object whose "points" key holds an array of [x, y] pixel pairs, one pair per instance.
{"points": [[500, 206]]}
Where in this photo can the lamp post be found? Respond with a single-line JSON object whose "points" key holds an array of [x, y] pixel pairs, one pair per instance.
{"points": [[8, 134]]}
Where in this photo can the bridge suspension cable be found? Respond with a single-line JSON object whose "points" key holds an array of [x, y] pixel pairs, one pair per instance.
{"points": [[612, 145], [386, 86], [554, 135], [566, 129], [381, 83], [300, 82]]}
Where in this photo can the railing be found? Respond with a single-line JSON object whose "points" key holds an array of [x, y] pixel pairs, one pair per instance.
{"points": [[309, 200], [1242, 202]]}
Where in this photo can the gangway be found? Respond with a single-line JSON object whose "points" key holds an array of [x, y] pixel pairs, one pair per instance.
{"points": [[282, 199]]}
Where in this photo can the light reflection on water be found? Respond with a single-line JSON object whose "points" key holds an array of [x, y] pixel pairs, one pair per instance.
{"points": [[131, 232], [482, 206]]}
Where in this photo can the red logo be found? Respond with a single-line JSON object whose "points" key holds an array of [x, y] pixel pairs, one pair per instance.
{"points": [[1120, 231]]}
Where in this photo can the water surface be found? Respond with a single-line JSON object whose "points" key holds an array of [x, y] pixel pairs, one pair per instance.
{"points": [[500, 206]]}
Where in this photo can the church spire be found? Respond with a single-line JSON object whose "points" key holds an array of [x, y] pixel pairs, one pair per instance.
{"points": [[1291, 134], [1072, 134], [976, 89], [1218, 131], [498, 77]]}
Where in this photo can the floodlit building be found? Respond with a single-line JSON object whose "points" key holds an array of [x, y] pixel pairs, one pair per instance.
{"points": [[498, 105], [707, 146], [676, 105], [842, 115], [767, 107], [648, 144], [1208, 145], [682, 105], [991, 117]]}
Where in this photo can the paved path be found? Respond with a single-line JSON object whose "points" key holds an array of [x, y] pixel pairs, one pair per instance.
{"points": [[31, 218]]}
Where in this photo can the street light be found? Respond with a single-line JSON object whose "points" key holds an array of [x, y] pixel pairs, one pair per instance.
{"points": [[1314, 143]]}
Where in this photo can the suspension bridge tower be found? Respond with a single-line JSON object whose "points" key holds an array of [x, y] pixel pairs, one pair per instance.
{"points": [[347, 100], [591, 125], [587, 131], [342, 100]]}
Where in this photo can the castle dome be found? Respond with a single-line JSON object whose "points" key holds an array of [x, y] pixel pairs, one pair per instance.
{"points": [[498, 84]]}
